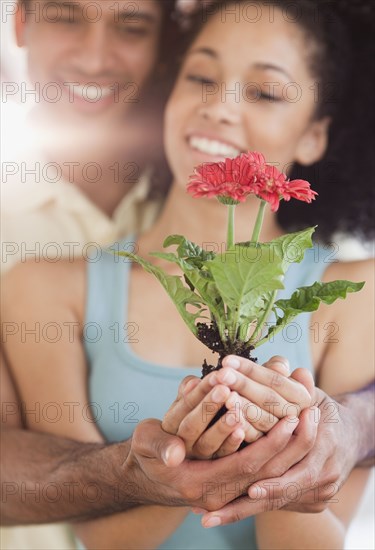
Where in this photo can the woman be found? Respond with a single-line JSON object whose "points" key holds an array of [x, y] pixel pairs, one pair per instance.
{"points": [[125, 368]]}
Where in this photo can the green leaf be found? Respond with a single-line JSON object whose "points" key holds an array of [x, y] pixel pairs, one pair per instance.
{"points": [[180, 295], [188, 250], [307, 299], [202, 281], [242, 278], [291, 247]]}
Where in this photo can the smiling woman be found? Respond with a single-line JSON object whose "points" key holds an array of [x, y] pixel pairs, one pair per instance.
{"points": [[336, 44]]}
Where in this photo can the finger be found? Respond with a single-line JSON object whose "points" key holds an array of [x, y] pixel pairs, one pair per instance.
{"points": [[303, 376], [232, 443], [241, 469], [280, 386], [289, 469], [278, 364], [239, 509], [253, 416], [259, 393], [247, 463], [191, 392], [188, 384], [311, 502], [149, 440], [213, 438], [196, 422]]}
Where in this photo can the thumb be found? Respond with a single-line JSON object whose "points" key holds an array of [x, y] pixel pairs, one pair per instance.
{"points": [[151, 441]]}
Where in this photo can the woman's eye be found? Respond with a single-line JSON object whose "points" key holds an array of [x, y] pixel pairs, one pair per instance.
{"points": [[199, 79], [268, 97]]}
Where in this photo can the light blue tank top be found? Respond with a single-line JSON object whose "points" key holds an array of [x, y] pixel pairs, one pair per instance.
{"points": [[125, 389]]}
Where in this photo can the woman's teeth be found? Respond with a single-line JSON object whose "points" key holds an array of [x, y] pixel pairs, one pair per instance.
{"points": [[213, 147]]}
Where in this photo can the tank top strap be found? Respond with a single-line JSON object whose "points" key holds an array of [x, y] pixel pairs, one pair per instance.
{"points": [[316, 260], [107, 294], [294, 341]]}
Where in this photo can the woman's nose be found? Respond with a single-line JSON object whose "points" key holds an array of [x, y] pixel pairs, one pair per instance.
{"points": [[222, 103]]}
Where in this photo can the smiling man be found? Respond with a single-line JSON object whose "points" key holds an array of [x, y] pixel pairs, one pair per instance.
{"points": [[96, 54], [80, 179]]}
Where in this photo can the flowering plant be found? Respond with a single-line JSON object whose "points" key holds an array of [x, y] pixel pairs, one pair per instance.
{"points": [[225, 299]]}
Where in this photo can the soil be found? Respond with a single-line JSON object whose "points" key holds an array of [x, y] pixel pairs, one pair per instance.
{"points": [[210, 337]]}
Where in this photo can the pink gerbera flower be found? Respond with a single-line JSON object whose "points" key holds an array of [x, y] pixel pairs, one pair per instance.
{"points": [[231, 180]]}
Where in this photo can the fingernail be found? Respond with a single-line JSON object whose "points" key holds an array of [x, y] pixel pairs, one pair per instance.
{"points": [[219, 394], [189, 386], [239, 434], [256, 492], [229, 377], [232, 361], [213, 521], [233, 401], [166, 455]]}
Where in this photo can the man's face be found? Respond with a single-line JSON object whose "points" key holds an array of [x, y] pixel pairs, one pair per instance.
{"points": [[89, 59]]}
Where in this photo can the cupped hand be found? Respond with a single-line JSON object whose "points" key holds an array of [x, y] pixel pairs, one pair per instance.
{"points": [[255, 397]]}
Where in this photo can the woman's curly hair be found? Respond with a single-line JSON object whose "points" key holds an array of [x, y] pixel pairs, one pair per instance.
{"points": [[342, 32]]}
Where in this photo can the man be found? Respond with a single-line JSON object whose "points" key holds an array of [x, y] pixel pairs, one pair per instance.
{"points": [[86, 75], [142, 470]]}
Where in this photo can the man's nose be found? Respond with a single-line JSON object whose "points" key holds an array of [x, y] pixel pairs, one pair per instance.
{"points": [[94, 52]]}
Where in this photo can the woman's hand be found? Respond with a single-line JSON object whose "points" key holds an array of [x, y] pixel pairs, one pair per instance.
{"points": [[256, 398]]}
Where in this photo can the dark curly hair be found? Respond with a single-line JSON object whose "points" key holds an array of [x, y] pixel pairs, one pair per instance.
{"points": [[342, 32]]}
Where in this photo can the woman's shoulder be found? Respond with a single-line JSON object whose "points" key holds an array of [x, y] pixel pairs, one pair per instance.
{"points": [[348, 326], [43, 285], [357, 270]]}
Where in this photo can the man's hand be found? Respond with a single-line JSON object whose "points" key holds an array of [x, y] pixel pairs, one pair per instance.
{"points": [[161, 474], [303, 477]]}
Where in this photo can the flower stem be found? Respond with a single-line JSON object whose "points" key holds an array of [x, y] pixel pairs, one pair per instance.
{"points": [[263, 319], [230, 232], [258, 222]]}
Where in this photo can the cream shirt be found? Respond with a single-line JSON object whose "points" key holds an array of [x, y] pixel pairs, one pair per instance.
{"points": [[54, 221]]}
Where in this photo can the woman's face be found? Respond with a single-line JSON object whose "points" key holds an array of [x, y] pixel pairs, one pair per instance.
{"points": [[244, 87]]}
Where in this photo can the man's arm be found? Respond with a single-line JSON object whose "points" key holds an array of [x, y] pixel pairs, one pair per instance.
{"points": [[48, 479], [323, 470], [362, 405], [45, 478]]}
